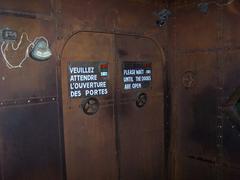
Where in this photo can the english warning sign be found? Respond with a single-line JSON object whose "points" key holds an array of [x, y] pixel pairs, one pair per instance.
{"points": [[87, 79], [136, 75]]}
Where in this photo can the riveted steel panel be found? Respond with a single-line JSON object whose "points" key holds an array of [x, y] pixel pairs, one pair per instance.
{"points": [[34, 79], [203, 27], [196, 106], [231, 134], [140, 129], [87, 14], [128, 16], [89, 139], [29, 137], [36, 6], [230, 173], [231, 17], [197, 169]]}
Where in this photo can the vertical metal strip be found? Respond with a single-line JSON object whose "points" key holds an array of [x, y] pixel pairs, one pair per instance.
{"points": [[1, 159], [173, 126], [115, 107], [220, 114], [167, 104], [56, 13]]}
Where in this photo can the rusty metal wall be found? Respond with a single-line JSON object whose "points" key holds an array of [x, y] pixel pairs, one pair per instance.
{"points": [[31, 122], [204, 53], [30, 146]]}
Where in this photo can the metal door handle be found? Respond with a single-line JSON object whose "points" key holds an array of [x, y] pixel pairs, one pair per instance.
{"points": [[90, 106], [141, 100]]}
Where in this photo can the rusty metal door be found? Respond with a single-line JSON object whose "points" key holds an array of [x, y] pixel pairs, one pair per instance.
{"points": [[127, 113], [88, 112], [139, 92]]}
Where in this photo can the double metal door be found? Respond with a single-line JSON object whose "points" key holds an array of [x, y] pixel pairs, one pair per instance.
{"points": [[112, 92]]}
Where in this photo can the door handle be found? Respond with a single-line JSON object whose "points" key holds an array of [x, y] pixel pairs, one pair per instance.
{"points": [[141, 100], [90, 106]]}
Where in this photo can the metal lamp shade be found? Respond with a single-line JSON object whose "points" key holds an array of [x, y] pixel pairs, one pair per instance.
{"points": [[41, 51]]}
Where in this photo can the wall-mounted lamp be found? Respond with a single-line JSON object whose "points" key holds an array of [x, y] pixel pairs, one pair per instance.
{"points": [[38, 49], [41, 50]]}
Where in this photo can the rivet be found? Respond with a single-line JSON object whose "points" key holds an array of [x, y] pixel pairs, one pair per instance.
{"points": [[3, 78], [28, 101]]}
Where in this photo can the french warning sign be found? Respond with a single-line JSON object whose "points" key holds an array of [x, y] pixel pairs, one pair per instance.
{"points": [[87, 79], [136, 75]]}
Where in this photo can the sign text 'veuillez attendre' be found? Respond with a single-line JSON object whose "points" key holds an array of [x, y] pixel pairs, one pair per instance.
{"points": [[87, 79], [137, 75]]}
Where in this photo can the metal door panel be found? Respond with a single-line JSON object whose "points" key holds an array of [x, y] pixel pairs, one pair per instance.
{"points": [[197, 125], [140, 129], [231, 133], [29, 137], [193, 168], [196, 105], [89, 139]]}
